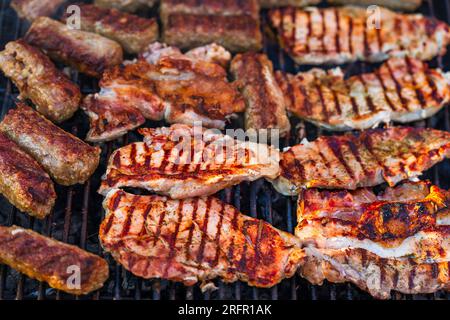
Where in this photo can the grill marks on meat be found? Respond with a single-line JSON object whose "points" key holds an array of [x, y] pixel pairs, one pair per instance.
{"points": [[88, 52], [265, 106], [233, 24], [37, 78], [195, 240], [406, 5], [340, 35], [23, 182], [66, 158], [32, 9], [164, 83], [125, 5], [51, 261], [367, 159], [184, 162], [396, 240], [402, 89], [132, 32], [285, 3]]}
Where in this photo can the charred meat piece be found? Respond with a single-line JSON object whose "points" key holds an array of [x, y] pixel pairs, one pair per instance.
{"points": [[391, 242], [88, 52], [233, 24], [54, 262], [32, 9], [165, 84], [23, 182], [37, 78], [132, 32], [345, 34], [402, 90], [67, 159], [362, 160], [195, 240], [183, 161], [125, 5], [264, 98], [285, 3], [406, 5]]}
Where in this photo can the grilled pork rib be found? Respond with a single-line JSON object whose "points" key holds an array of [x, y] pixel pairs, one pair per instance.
{"points": [[195, 240], [184, 162], [379, 242], [164, 83], [402, 89], [345, 34], [361, 160]]}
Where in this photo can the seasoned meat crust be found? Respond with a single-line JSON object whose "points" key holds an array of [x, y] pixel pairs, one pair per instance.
{"points": [[54, 262], [126, 5], [407, 5], [88, 52], [183, 161], [338, 35], [66, 158], [32, 9], [195, 240], [264, 98], [285, 3], [401, 89], [132, 32], [55, 96], [361, 160], [23, 182]]}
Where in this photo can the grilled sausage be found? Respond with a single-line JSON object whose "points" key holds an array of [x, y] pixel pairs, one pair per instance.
{"points": [[32, 9], [52, 261], [37, 78], [88, 52], [132, 32], [125, 5], [23, 181], [67, 159]]}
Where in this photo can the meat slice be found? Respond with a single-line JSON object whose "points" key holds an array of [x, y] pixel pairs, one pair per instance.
{"points": [[64, 267], [66, 158], [126, 5], [195, 240], [406, 5], [361, 160], [379, 242], [32, 9], [402, 90], [183, 162], [88, 52], [233, 24], [23, 182], [37, 78], [132, 32], [264, 98], [285, 3], [165, 84], [338, 35]]}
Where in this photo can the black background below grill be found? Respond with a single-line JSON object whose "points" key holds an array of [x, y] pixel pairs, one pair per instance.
{"points": [[78, 211]]}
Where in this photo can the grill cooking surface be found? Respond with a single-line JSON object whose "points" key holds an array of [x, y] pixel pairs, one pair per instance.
{"points": [[78, 213]]}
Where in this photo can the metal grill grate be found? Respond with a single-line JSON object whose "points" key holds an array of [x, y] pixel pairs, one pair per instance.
{"points": [[78, 212]]}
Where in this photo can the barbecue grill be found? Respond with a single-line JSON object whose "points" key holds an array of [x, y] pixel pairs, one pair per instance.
{"points": [[78, 211]]}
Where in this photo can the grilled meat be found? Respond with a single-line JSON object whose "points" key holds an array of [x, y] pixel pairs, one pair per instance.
{"points": [[285, 3], [125, 5], [88, 52], [67, 159], [265, 106], [132, 32], [52, 261], [363, 160], [164, 83], [183, 161], [402, 89], [195, 240], [346, 34], [233, 24], [23, 182], [406, 5], [37, 78], [379, 242], [32, 9]]}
